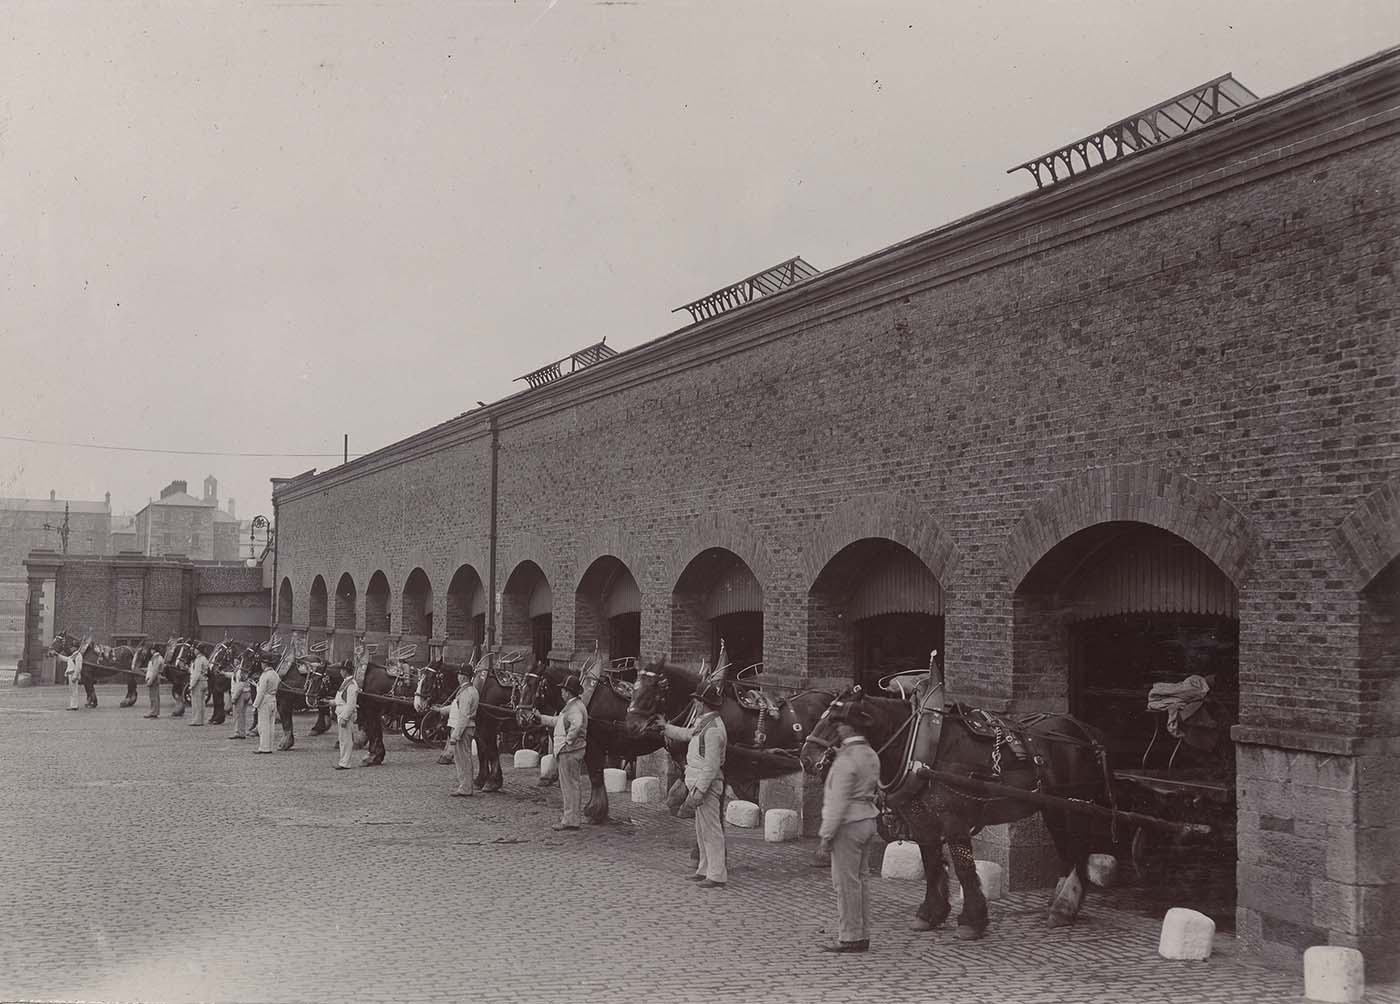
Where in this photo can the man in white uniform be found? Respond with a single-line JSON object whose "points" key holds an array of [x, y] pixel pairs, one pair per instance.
{"points": [[265, 703], [461, 724], [570, 744], [704, 782], [154, 666], [345, 701], [199, 678]]}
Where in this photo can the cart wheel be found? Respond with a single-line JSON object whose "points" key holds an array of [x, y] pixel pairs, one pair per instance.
{"points": [[413, 730], [434, 726]]}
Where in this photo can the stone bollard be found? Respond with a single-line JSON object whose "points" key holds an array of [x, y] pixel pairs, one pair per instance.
{"points": [[526, 759], [1186, 934], [1103, 870], [24, 680], [1334, 974], [646, 790], [902, 861], [743, 814], [779, 825], [614, 780], [992, 878], [549, 768]]}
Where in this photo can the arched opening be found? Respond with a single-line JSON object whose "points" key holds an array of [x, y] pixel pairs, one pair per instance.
{"points": [[875, 609], [608, 610], [527, 610], [1379, 644], [284, 602], [418, 607], [1103, 618], [466, 609], [377, 604], [717, 599], [316, 612], [345, 596]]}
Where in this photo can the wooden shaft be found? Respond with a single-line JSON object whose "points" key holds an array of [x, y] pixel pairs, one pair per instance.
{"points": [[1079, 806]]}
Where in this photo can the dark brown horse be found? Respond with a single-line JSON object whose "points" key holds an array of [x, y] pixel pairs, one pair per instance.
{"points": [[1047, 753], [498, 684], [607, 692], [765, 734]]}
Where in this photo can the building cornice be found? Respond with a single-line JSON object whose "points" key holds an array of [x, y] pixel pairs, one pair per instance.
{"points": [[1360, 99]]}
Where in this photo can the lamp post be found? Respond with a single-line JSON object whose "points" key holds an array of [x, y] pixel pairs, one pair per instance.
{"points": [[262, 522], [62, 531]]}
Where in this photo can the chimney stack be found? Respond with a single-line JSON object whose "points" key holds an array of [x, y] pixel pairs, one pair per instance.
{"points": [[231, 510], [53, 495], [109, 500]]}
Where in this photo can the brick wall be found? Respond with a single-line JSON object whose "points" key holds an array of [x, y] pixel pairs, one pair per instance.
{"points": [[1202, 339]]}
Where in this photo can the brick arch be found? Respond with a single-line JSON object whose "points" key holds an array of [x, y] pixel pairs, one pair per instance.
{"points": [[1368, 539], [1138, 493], [888, 515], [720, 529], [418, 557], [609, 539], [528, 547]]}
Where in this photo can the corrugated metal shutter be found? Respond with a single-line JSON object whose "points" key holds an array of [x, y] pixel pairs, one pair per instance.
{"points": [[1159, 577], [736, 593], [542, 599], [901, 585], [623, 596]]}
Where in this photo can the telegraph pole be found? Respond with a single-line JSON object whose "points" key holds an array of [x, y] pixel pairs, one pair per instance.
{"points": [[64, 530]]}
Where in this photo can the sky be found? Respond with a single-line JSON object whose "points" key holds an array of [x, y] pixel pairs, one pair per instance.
{"points": [[255, 228]]}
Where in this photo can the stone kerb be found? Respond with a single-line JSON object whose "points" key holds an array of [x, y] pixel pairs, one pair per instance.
{"points": [[886, 515], [1138, 493], [1368, 539]]}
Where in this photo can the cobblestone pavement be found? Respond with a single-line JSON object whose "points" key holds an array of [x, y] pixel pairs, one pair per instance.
{"points": [[151, 861]]}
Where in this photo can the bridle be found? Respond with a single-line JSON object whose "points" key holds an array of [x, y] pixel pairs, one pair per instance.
{"points": [[830, 746]]}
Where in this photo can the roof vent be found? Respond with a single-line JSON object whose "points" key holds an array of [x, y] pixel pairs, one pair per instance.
{"points": [[581, 359], [764, 283], [1153, 126]]}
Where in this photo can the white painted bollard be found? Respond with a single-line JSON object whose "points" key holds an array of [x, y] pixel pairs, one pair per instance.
{"points": [[902, 861], [614, 779], [1103, 870], [992, 878], [526, 759], [1186, 934], [743, 814], [779, 825], [549, 767], [646, 789], [1334, 974]]}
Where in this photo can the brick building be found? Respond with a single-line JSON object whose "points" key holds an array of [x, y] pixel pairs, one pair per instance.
{"points": [[29, 523], [177, 523], [1137, 424], [129, 598]]}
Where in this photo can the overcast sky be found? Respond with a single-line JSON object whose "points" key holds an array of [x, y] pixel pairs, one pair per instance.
{"points": [[245, 228]]}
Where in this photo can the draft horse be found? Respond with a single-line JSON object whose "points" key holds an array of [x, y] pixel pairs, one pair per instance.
{"points": [[1048, 754], [607, 693], [765, 735]]}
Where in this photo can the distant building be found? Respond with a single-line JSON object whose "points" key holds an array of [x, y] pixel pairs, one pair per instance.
{"points": [[27, 524], [124, 537], [177, 523], [30, 524]]}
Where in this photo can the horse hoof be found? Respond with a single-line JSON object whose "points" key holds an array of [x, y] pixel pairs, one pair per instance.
{"points": [[1057, 919], [969, 933], [920, 924]]}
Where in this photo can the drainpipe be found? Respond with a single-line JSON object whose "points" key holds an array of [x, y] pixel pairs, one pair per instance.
{"points": [[491, 593], [276, 585]]}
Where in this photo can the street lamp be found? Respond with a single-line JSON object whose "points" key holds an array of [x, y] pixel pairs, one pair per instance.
{"points": [[260, 522]]}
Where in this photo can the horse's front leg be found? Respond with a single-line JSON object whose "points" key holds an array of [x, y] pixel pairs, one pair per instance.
{"points": [[488, 743], [972, 921], [323, 719], [1074, 855], [596, 811], [284, 717], [933, 911]]}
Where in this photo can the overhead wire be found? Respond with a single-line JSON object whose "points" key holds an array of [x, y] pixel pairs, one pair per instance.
{"points": [[185, 453]]}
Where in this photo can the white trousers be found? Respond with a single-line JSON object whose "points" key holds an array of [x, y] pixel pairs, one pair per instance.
{"points": [[74, 689], [266, 714], [346, 734], [197, 703], [709, 834]]}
